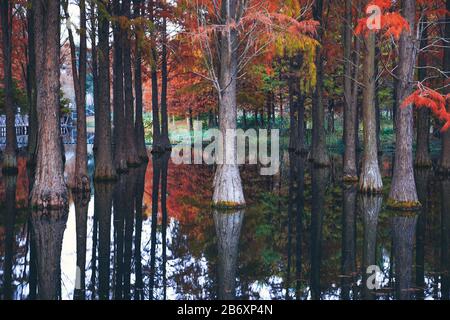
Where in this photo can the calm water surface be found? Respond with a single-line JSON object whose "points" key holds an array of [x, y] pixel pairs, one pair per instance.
{"points": [[153, 235]]}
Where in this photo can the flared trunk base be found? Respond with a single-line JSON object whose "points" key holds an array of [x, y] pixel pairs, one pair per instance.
{"points": [[228, 193]]}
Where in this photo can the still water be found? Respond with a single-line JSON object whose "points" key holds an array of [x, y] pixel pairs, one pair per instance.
{"points": [[153, 235]]}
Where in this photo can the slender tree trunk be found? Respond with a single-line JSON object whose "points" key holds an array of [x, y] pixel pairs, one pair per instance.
{"points": [[227, 181], [104, 167], [165, 142], [31, 88], [403, 189], [132, 157], [319, 153], [94, 65], [301, 123], [444, 166], [50, 190], [81, 179], [370, 179], [157, 147], [139, 123], [120, 156], [423, 158], [9, 155], [293, 113]]}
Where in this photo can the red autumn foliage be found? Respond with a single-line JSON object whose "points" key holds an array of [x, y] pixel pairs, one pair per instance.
{"points": [[425, 97], [392, 23]]}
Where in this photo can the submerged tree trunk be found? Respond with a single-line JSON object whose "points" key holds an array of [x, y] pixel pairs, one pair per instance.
{"points": [[370, 179], [80, 180], [139, 121], [319, 153], [423, 158], [120, 156], [445, 238], [444, 166], [403, 189], [104, 167], [50, 190], [228, 190], [9, 155]]}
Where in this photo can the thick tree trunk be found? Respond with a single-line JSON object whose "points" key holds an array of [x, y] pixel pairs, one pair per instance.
{"points": [[444, 166], [228, 229], [80, 181], [48, 231], [403, 192], [228, 190], [370, 179], [319, 153], [423, 158], [165, 142], [132, 157], [139, 121], [50, 190], [9, 155], [120, 156], [104, 167]]}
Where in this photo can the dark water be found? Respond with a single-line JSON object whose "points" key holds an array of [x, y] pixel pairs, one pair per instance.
{"points": [[153, 235]]}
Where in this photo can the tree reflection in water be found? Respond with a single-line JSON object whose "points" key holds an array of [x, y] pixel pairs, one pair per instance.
{"points": [[153, 235]]}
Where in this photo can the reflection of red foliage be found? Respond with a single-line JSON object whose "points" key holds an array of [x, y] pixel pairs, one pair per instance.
{"points": [[22, 185], [189, 189]]}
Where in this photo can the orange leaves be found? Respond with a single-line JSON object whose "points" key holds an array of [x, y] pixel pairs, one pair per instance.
{"points": [[428, 98]]}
